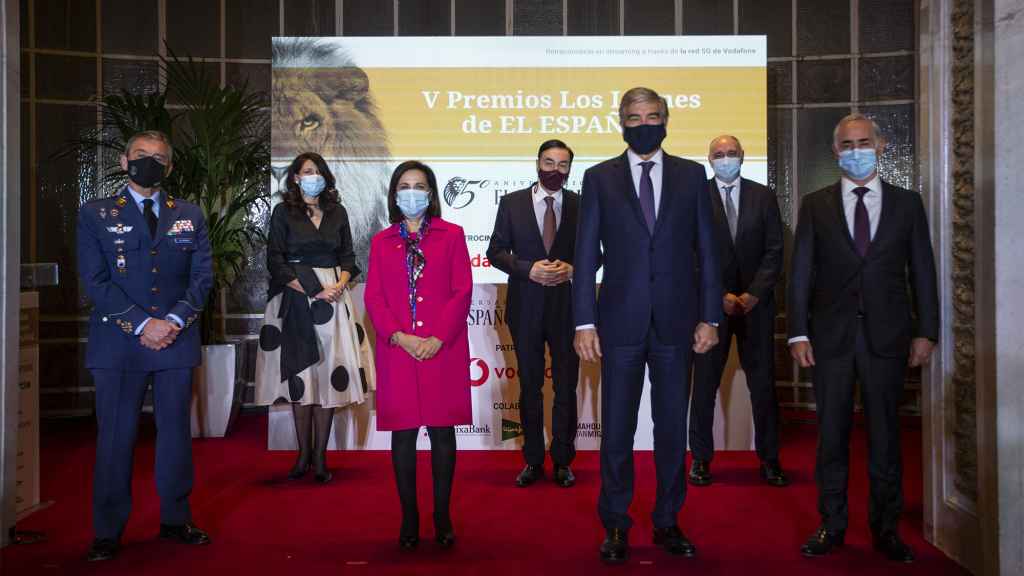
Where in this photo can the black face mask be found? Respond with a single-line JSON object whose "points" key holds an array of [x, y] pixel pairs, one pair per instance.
{"points": [[146, 171], [645, 138]]}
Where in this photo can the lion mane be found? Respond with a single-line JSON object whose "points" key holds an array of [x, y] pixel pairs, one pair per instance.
{"points": [[322, 103]]}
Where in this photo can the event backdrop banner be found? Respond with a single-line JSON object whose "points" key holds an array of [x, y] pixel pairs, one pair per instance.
{"points": [[476, 110]]}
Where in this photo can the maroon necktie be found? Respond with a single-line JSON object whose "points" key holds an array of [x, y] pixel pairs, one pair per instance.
{"points": [[549, 224], [647, 195], [861, 223]]}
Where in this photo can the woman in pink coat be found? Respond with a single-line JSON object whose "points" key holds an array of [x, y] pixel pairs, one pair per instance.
{"points": [[422, 342]]}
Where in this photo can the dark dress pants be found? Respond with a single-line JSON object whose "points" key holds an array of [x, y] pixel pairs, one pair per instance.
{"points": [[557, 331], [119, 398], [881, 381], [755, 339], [622, 382]]}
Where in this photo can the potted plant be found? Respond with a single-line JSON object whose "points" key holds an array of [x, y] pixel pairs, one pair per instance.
{"points": [[222, 164]]}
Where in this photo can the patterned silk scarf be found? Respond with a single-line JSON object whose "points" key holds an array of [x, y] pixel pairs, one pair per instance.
{"points": [[415, 261]]}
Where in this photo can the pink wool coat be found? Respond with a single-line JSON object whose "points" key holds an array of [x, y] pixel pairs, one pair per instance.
{"points": [[434, 392]]}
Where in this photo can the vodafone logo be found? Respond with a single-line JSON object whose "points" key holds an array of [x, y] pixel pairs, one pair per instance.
{"points": [[478, 371]]}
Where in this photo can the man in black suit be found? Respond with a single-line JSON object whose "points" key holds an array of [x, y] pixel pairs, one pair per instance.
{"points": [[860, 244], [749, 231], [534, 242]]}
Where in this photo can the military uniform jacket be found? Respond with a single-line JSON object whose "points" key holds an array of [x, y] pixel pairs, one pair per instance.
{"points": [[130, 276]]}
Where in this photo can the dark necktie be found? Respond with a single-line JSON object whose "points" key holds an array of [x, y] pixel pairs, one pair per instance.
{"points": [[861, 223], [730, 211], [550, 226], [150, 216], [647, 195]]}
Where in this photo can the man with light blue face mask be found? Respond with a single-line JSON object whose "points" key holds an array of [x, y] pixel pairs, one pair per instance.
{"points": [[863, 306], [749, 231]]}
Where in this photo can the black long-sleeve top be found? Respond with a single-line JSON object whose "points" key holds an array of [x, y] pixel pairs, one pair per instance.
{"points": [[295, 246]]}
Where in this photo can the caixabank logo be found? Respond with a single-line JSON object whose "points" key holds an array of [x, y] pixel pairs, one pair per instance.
{"points": [[510, 429], [473, 430]]}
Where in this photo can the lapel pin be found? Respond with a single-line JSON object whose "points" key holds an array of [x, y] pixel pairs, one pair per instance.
{"points": [[122, 201], [103, 213], [115, 212], [170, 202]]}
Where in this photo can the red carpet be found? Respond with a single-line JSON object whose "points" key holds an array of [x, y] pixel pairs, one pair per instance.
{"points": [[261, 525]]}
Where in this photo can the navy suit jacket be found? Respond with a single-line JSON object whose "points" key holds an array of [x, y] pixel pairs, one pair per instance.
{"points": [[647, 277], [129, 277]]}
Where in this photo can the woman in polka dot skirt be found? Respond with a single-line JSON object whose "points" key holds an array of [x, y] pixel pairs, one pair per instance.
{"points": [[422, 341], [309, 351]]}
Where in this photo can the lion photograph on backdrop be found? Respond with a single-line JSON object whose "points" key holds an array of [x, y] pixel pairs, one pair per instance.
{"points": [[322, 103]]}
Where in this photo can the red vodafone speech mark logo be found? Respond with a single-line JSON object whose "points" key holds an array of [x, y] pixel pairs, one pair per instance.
{"points": [[484, 369]]}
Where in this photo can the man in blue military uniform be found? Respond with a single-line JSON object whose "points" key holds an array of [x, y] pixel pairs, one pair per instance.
{"points": [[144, 260]]}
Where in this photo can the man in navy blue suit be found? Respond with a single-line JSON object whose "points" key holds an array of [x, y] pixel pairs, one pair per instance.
{"points": [[144, 261], [660, 298]]}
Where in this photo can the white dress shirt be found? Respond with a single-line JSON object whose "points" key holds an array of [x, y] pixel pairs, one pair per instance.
{"points": [[540, 207], [637, 171], [735, 193], [872, 201]]}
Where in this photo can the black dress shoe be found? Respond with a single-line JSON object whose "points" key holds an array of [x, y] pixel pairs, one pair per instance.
{"points": [[771, 473], [700, 473], [529, 475], [674, 541], [298, 471], [185, 533], [893, 548], [615, 548], [323, 477], [822, 542], [102, 549], [564, 476]]}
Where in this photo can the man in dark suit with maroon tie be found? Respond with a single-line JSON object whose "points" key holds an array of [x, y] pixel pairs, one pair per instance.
{"points": [[534, 242], [863, 305]]}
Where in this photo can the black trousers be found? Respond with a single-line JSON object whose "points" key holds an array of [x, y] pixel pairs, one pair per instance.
{"points": [[881, 381], [755, 339], [557, 332], [622, 384]]}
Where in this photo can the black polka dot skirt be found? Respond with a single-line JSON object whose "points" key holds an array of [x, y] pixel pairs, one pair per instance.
{"points": [[345, 373]]}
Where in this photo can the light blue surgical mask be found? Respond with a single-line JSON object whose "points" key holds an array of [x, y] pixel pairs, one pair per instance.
{"points": [[412, 202], [726, 168], [312, 185], [858, 163]]}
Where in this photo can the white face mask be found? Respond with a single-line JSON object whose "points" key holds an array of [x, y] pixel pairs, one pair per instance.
{"points": [[312, 184]]}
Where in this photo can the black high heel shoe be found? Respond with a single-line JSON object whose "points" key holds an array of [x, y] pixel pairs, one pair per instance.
{"points": [[443, 533], [297, 472], [408, 536], [323, 477], [408, 542], [445, 540]]}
